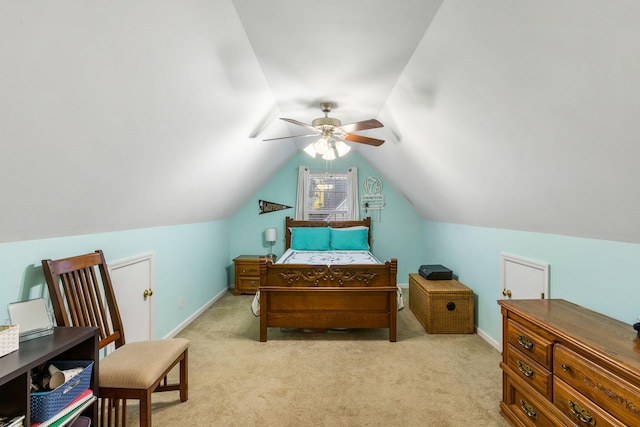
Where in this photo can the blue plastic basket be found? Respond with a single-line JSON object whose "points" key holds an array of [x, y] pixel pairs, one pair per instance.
{"points": [[45, 405]]}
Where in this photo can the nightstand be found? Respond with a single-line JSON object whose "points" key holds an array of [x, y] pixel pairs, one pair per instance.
{"points": [[247, 274]]}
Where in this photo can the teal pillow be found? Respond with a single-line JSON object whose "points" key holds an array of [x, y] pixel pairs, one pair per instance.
{"points": [[350, 239], [310, 238]]}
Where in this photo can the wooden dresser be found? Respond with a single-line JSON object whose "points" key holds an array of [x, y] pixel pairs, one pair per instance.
{"points": [[247, 274], [566, 365]]}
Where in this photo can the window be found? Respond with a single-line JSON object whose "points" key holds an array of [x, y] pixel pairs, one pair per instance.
{"points": [[327, 196]]}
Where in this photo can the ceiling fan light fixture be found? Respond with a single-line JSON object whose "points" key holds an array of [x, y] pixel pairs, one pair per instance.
{"points": [[329, 155], [321, 146], [328, 149], [310, 150], [342, 148]]}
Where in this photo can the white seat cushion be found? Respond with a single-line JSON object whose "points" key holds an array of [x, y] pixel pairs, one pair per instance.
{"points": [[138, 365]]}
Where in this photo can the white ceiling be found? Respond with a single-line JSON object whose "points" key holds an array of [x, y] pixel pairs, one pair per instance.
{"points": [[127, 114], [348, 52]]}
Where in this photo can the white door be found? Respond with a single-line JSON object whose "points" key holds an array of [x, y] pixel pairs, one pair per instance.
{"points": [[133, 283], [522, 278]]}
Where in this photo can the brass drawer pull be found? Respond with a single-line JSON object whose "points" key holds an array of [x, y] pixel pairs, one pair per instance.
{"points": [[565, 367], [528, 409], [525, 342], [581, 413], [253, 283], [525, 369]]}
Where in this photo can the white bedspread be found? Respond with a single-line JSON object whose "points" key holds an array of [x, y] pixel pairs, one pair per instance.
{"points": [[327, 257], [324, 258]]}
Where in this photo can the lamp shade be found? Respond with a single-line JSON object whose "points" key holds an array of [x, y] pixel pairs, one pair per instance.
{"points": [[310, 150], [329, 155], [321, 146], [270, 234], [342, 148]]}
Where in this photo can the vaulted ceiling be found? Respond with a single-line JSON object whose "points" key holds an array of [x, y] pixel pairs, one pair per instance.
{"points": [[125, 114]]}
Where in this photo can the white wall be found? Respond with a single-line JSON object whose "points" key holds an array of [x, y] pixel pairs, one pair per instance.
{"points": [[522, 115]]}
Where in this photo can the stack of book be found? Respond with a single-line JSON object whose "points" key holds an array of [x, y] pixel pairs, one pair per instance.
{"points": [[68, 415]]}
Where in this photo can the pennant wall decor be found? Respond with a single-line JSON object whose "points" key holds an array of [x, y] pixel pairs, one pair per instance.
{"points": [[266, 207]]}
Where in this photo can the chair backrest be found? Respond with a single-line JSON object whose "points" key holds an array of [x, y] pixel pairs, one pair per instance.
{"points": [[82, 295]]}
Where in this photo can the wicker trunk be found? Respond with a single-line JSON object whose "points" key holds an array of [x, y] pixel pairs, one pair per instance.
{"points": [[442, 306]]}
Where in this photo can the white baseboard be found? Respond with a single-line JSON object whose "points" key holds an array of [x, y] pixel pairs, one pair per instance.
{"points": [[493, 343], [193, 317]]}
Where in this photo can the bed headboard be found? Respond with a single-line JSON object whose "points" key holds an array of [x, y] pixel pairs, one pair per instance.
{"points": [[290, 222]]}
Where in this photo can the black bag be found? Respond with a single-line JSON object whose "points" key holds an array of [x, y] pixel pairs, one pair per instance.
{"points": [[435, 272]]}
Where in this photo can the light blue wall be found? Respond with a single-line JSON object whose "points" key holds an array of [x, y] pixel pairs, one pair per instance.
{"points": [[191, 262], [598, 274], [195, 260], [397, 234]]}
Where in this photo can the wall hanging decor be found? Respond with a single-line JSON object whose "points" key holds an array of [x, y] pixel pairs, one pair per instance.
{"points": [[372, 201], [266, 207]]}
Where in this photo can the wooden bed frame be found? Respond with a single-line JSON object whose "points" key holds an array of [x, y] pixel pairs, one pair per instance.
{"points": [[318, 296]]}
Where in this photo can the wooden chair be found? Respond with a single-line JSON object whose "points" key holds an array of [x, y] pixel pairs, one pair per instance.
{"points": [[82, 295]]}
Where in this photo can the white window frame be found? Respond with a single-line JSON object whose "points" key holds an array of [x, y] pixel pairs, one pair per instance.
{"points": [[348, 210]]}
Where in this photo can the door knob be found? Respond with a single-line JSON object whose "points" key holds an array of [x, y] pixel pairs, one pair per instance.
{"points": [[147, 293], [506, 293]]}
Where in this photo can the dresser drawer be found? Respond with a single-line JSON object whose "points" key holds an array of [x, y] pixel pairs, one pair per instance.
{"points": [[530, 343], [527, 407], [247, 269], [580, 409], [249, 283], [613, 394], [529, 371]]}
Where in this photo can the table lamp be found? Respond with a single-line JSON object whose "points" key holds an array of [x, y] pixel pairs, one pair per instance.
{"points": [[270, 235]]}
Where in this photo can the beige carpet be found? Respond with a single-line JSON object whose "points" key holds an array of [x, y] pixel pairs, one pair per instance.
{"points": [[357, 378]]}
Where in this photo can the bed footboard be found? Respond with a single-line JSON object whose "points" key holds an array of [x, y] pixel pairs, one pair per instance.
{"points": [[319, 296]]}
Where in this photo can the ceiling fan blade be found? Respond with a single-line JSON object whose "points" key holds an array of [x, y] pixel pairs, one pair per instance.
{"points": [[295, 122], [363, 139], [292, 136], [358, 126]]}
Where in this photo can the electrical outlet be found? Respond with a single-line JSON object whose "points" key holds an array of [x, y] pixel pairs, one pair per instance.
{"points": [[181, 302]]}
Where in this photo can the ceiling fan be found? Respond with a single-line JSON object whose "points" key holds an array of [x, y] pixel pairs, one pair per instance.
{"points": [[333, 134]]}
